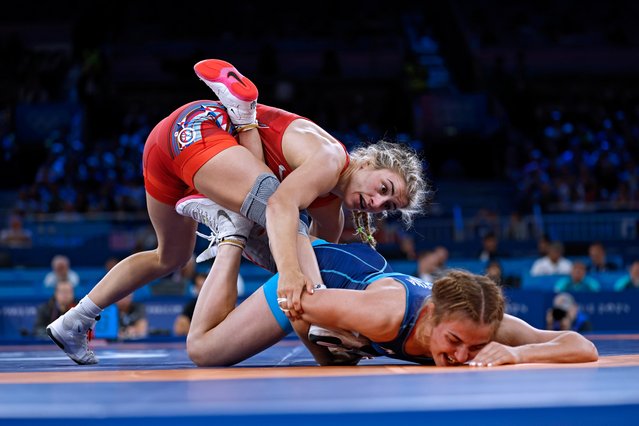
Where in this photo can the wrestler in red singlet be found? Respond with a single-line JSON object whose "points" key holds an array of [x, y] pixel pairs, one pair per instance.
{"points": [[194, 133]]}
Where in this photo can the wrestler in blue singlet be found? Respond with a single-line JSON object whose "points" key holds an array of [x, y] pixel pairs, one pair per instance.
{"points": [[354, 266]]}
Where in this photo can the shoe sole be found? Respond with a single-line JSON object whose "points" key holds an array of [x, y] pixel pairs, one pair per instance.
{"points": [[180, 203], [61, 346], [328, 341], [218, 71]]}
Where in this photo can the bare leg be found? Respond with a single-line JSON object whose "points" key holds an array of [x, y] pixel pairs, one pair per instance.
{"points": [[220, 333], [250, 140], [222, 182], [176, 241], [228, 177]]}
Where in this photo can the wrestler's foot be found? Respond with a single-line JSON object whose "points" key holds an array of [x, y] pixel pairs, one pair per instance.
{"points": [[70, 332], [337, 338], [236, 92], [344, 357], [227, 227]]}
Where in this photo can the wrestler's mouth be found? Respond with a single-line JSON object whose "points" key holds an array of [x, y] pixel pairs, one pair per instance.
{"points": [[362, 204], [450, 361]]}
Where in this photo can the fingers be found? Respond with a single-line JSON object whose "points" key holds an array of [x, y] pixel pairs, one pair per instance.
{"points": [[282, 302], [310, 287], [297, 304], [285, 306], [475, 363], [493, 355], [291, 307]]}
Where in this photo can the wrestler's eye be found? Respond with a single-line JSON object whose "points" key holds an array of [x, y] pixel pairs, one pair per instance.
{"points": [[477, 348]]}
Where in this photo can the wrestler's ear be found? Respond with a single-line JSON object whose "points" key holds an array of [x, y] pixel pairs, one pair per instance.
{"points": [[430, 309]]}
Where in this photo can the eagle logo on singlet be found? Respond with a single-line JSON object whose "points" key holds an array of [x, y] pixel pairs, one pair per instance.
{"points": [[185, 138], [419, 283], [187, 129]]}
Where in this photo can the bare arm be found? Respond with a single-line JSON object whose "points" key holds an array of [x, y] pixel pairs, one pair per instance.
{"points": [[518, 342], [376, 312], [297, 191]]}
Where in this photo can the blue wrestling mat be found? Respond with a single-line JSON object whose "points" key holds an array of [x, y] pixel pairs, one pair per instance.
{"points": [[155, 383]]}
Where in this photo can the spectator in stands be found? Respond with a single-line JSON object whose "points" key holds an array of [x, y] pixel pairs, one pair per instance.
{"points": [[490, 248], [393, 241], [182, 322], [484, 222], [518, 227], [177, 282], [110, 263], [442, 255], [543, 244], [554, 263], [61, 270], [495, 272], [62, 300], [431, 264], [631, 280], [15, 235], [132, 319], [598, 261], [427, 266], [578, 280], [565, 314]]}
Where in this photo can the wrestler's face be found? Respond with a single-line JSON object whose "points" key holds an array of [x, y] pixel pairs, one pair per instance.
{"points": [[457, 340], [375, 190]]}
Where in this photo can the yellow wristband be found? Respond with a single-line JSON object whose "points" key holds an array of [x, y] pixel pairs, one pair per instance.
{"points": [[233, 242], [245, 127]]}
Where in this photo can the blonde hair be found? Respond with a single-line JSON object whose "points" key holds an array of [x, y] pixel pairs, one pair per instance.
{"points": [[472, 296], [404, 161]]}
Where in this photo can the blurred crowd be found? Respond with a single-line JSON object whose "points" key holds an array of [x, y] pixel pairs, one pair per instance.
{"points": [[571, 145]]}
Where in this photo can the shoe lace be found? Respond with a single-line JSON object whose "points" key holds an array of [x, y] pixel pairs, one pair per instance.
{"points": [[203, 217], [212, 238]]}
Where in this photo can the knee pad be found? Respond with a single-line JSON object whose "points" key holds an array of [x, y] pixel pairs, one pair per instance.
{"points": [[254, 205]]}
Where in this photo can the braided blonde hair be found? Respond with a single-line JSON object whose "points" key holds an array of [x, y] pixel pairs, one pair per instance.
{"points": [[475, 297]]}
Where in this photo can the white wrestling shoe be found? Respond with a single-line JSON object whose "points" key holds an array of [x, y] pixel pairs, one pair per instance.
{"points": [[236, 92], [227, 227], [70, 332]]}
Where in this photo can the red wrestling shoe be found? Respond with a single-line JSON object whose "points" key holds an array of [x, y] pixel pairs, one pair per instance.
{"points": [[236, 92]]}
